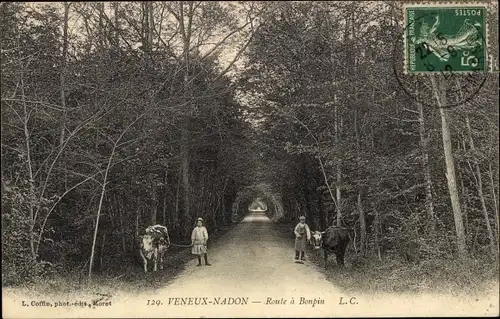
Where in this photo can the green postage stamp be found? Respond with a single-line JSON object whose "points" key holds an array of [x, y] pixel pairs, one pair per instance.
{"points": [[445, 38]]}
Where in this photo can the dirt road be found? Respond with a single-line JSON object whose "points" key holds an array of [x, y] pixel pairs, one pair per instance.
{"points": [[253, 275], [253, 264]]}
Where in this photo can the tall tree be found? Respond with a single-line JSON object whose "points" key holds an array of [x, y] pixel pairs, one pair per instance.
{"points": [[440, 87]]}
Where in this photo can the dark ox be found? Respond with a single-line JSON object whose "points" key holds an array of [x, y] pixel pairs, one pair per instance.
{"points": [[153, 245], [333, 240]]}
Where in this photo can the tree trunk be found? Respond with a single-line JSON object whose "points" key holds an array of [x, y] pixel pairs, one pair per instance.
{"points": [[223, 207], [101, 28], [185, 179], [117, 25], [322, 222], [485, 211], [186, 37], [154, 209], [376, 224], [440, 94], [424, 142], [338, 173], [29, 167], [175, 218], [144, 26], [362, 226], [63, 72], [479, 186], [103, 192], [465, 206], [137, 223], [102, 251], [62, 76], [494, 199], [325, 177], [361, 212], [150, 27], [122, 229], [220, 201], [165, 193]]}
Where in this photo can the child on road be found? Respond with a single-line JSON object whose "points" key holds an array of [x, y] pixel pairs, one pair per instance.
{"points": [[199, 238]]}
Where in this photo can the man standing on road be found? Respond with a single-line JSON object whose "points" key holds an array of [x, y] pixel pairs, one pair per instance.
{"points": [[199, 238], [302, 236]]}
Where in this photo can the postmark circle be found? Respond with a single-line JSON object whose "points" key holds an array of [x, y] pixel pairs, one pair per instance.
{"points": [[457, 87]]}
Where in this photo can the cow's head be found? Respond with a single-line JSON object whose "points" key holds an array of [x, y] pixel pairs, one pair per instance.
{"points": [[316, 239], [163, 242]]}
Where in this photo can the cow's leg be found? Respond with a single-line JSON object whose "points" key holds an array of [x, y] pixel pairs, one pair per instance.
{"points": [[325, 256], [340, 259], [155, 258], [161, 261], [144, 261]]}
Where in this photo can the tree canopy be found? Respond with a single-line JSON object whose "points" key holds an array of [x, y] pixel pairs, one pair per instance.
{"points": [[117, 116]]}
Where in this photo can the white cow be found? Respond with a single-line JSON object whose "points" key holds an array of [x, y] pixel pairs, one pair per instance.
{"points": [[154, 244]]}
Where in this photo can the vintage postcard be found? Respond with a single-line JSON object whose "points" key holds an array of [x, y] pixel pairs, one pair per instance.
{"points": [[188, 159]]}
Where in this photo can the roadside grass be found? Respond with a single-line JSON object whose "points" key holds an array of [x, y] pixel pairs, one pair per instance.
{"points": [[450, 277], [127, 277], [370, 275]]}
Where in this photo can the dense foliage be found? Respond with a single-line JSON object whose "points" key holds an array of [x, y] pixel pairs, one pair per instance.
{"points": [[346, 145], [117, 116], [105, 122]]}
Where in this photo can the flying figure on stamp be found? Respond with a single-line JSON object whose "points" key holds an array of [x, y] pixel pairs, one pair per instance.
{"points": [[466, 38]]}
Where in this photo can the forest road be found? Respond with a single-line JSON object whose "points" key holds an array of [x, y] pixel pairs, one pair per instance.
{"points": [[252, 267], [253, 274]]}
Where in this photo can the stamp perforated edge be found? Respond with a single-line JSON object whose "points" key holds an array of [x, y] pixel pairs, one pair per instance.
{"points": [[440, 4], [492, 51]]}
